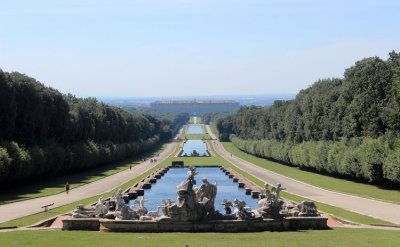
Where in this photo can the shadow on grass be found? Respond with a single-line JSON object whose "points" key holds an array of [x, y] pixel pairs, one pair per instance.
{"points": [[50, 185]]}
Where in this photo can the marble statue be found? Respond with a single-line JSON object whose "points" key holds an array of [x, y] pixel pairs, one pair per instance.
{"points": [[101, 208], [267, 197], [206, 194], [307, 208], [83, 212], [192, 204], [142, 201], [227, 206], [241, 212], [117, 200]]}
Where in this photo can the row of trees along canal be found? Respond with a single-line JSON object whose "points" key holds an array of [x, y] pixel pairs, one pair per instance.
{"points": [[345, 127], [43, 131]]}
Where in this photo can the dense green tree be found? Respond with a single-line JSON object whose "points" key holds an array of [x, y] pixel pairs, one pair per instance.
{"points": [[7, 107], [45, 132], [347, 126]]}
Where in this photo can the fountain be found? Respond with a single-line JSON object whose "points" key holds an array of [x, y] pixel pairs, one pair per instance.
{"points": [[194, 211], [194, 148]]}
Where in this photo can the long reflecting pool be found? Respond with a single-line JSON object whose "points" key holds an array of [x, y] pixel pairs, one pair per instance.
{"points": [[166, 188], [195, 129], [190, 146]]}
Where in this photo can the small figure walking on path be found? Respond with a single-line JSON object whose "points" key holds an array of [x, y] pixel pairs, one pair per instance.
{"points": [[130, 167], [67, 187], [231, 155]]}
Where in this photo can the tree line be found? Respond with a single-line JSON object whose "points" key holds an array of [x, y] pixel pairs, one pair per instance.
{"points": [[45, 132], [348, 126], [171, 121]]}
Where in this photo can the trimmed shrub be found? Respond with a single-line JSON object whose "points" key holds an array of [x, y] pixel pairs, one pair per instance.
{"points": [[368, 159]]}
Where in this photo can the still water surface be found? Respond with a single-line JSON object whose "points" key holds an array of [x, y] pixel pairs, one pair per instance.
{"points": [[192, 145], [195, 129], [166, 188]]}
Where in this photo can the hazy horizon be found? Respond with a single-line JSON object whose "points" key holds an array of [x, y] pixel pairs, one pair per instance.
{"points": [[175, 48], [196, 96], [244, 100]]}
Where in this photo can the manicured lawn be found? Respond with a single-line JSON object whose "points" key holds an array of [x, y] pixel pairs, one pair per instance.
{"points": [[195, 136], [56, 185], [326, 238], [323, 181]]}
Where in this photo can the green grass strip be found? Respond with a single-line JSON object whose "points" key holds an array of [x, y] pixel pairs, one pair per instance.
{"points": [[328, 238], [195, 136]]}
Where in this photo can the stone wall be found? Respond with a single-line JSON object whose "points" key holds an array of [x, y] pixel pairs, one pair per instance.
{"points": [[288, 224], [86, 224]]}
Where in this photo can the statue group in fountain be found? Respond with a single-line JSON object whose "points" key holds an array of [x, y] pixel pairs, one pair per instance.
{"points": [[192, 204], [271, 206], [197, 204]]}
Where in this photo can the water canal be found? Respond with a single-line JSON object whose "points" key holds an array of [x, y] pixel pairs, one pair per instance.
{"points": [[194, 148], [195, 129]]}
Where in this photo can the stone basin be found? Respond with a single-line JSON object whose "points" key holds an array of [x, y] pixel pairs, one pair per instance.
{"points": [[287, 224]]}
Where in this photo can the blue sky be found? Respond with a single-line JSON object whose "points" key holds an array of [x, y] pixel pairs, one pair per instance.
{"points": [[192, 47]]}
